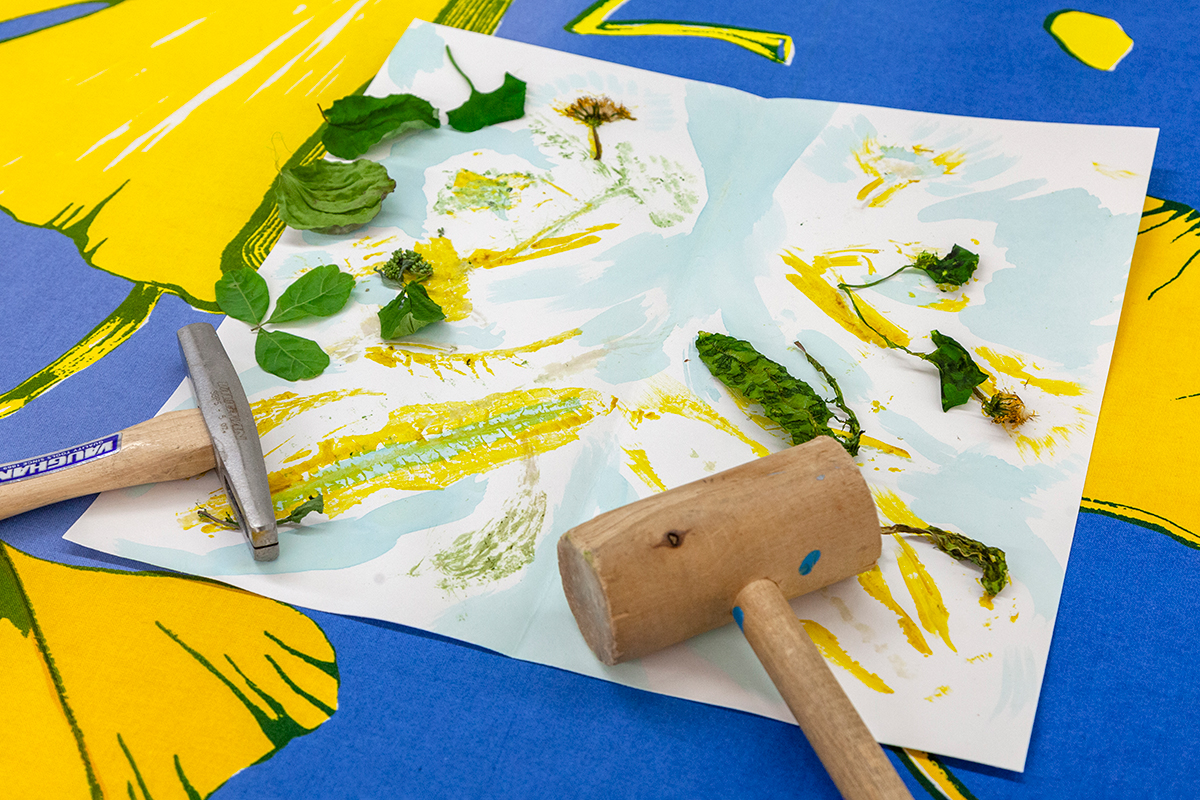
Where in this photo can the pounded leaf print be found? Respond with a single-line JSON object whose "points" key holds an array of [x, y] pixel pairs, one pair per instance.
{"points": [[332, 196], [243, 295], [958, 371], [357, 122], [320, 292], [159, 685], [292, 358], [481, 110]]}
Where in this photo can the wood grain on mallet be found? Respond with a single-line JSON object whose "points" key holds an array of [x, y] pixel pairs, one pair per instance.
{"points": [[166, 448]]}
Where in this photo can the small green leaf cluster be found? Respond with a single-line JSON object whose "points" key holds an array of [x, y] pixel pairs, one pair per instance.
{"points": [[990, 559], [334, 197], [789, 402], [321, 292], [406, 261]]}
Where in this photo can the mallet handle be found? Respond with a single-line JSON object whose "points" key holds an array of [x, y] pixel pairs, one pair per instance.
{"points": [[165, 448], [855, 761]]}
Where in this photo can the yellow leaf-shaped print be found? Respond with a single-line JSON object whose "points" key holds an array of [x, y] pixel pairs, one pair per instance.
{"points": [[123, 684]]}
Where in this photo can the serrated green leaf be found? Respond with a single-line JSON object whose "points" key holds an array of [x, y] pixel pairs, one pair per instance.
{"points": [[320, 292], [789, 402], [408, 312], [332, 196], [313, 505], [292, 358], [481, 110], [243, 295], [959, 372], [357, 122], [954, 270]]}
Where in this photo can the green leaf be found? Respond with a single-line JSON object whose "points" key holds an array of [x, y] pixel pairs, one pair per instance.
{"points": [[313, 505], [243, 295], [789, 402], [357, 122], [481, 110], [959, 372], [318, 293], [292, 358], [408, 312], [954, 270], [331, 196], [990, 559]]}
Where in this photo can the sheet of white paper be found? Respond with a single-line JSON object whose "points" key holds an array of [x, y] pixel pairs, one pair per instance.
{"points": [[566, 380]]}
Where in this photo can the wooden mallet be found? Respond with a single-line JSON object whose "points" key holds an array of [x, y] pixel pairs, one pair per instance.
{"points": [[737, 546]]}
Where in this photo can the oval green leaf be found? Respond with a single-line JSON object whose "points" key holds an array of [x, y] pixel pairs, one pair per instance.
{"points": [[318, 293], [408, 312], [332, 196], [356, 123], [958, 371], [292, 358], [243, 295]]}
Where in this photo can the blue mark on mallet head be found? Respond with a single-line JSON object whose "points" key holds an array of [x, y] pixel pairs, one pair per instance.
{"points": [[809, 562], [738, 616]]}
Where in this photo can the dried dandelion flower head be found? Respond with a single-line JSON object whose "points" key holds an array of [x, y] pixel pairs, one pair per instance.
{"points": [[1007, 408], [595, 111]]}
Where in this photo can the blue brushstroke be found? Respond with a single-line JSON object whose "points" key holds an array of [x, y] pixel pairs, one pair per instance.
{"points": [[43, 20]]}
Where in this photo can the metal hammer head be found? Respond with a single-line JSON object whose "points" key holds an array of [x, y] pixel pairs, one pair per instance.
{"points": [[226, 413], [663, 569]]}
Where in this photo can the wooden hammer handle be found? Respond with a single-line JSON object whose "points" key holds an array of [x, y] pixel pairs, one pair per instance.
{"points": [[165, 448], [855, 761]]}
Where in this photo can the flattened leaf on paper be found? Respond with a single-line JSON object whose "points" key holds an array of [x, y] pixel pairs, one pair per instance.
{"points": [[331, 196], [408, 312], [483, 109], [243, 295], [358, 122], [292, 358], [160, 685], [958, 371], [320, 292]]}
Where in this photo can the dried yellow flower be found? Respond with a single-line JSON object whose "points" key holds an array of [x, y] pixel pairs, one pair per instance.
{"points": [[1007, 408], [594, 112]]}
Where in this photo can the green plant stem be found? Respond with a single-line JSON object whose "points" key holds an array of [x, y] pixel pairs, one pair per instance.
{"points": [[874, 283], [454, 64]]}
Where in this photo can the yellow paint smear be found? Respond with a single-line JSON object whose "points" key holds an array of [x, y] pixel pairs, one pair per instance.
{"points": [[832, 650], [924, 592], [874, 584], [538, 247], [1097, 41], [429, 447], [893, 168], [639, 462], [936, 774], [1112, 172], [668, 396], [811, 280], [1015, 367], [448, 285], [942, 691], [950, 304], [271, 412], [394, 356], [979, 657], [895, 509]]}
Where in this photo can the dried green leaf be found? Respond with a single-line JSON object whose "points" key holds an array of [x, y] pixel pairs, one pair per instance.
{"points": [[332, 196], [358, 122], [292, 358], [952, 271], [789, 402], [481, 110], [989, 559], [320, 292], [853, 428], [243, 295], [408, 312], [313, 505], [959, 372]]}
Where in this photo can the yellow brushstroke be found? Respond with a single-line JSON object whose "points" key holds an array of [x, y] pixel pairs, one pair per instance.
{"points": [[895, 509], [832, 650], [951, 304], [1015, 367], [924, 592], [271, 412], [594, 21], [396, 355], [448, 285], [1097, 41], [1112, 172], [640, 464], [979, 657], [811, 280], [942, 691], [1044, 445], [872, 581], [428, 447], [538, 247], [668, 396], [938, 775], [986, 601], [894, 167]]}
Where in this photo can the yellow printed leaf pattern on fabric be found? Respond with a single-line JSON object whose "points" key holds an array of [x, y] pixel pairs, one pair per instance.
{"points": [[147, 684]]}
